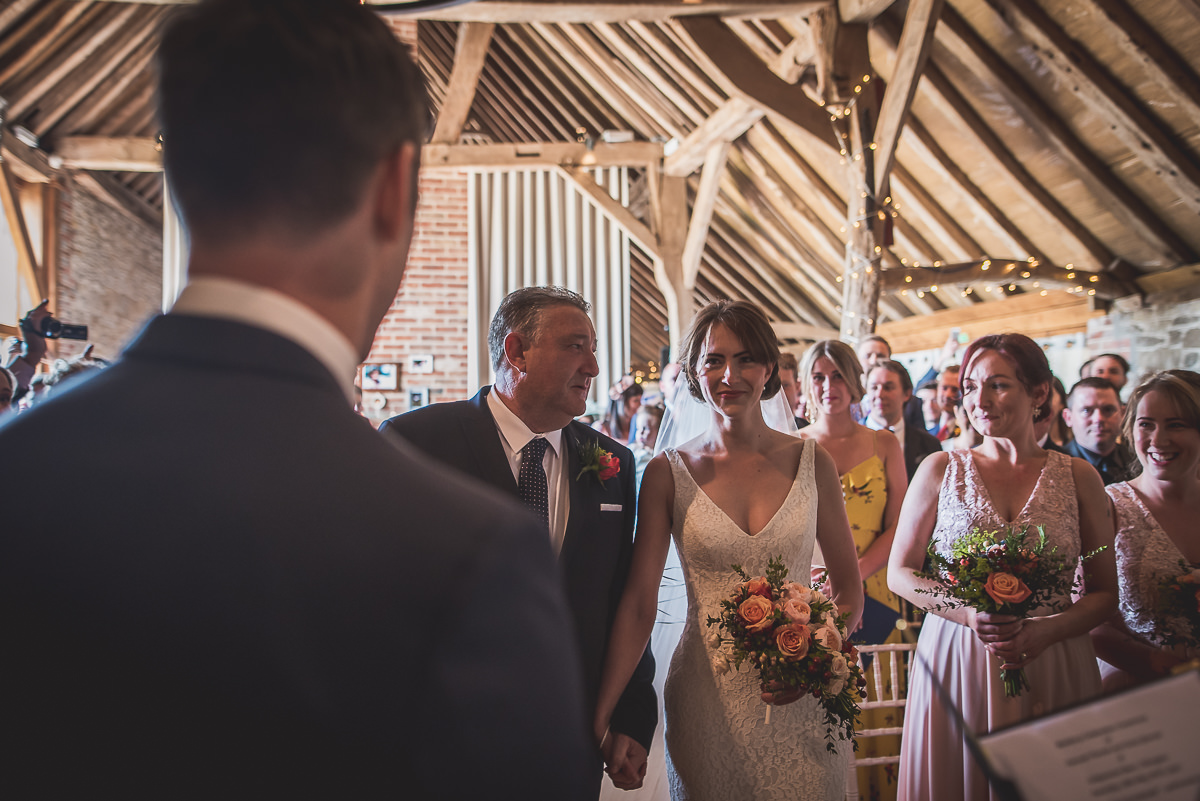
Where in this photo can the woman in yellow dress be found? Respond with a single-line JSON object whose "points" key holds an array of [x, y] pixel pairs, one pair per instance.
{"points": [[871, 466]]}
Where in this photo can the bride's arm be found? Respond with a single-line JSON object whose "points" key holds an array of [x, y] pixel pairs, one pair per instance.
{"points": [[836, 541], [639, 601]]}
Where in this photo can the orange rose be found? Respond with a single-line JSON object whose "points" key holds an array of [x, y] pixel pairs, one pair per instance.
{"points": [[755, 612], [759, 586], [792, 641], [796, 611], [1006, 588]]}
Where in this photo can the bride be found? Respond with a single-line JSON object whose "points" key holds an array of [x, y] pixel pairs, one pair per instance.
{"points": [[739, 493]]}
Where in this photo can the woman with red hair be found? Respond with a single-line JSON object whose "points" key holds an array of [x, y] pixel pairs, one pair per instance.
{"points": [[1007, 480]]}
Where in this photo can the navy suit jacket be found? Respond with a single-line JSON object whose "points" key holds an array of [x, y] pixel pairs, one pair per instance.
{"points": [[596, 549], [217, 581], [918, 443]]}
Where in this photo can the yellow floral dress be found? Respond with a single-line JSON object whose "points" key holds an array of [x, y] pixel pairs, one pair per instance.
{"points": [[864, 489]]}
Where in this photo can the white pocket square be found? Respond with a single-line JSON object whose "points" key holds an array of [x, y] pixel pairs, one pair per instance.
{"points": [[611, 507]]}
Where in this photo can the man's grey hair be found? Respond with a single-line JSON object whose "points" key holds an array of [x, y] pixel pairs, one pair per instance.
{"points": [[521, 312]]}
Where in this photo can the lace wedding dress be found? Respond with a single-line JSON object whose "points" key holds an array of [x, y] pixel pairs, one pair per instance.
{"points": [[719, 744]]}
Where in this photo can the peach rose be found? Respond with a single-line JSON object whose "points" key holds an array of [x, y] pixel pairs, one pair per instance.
{"points": [[796, 611], [835, 686], [755, 612], [798, 592], [840, 667], [1006, 588], [829, 637], [792, 641], [758, 586]]}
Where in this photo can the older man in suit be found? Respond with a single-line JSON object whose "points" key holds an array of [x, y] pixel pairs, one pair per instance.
{"points": [[520, 436], [889, 388], [242, 591]]}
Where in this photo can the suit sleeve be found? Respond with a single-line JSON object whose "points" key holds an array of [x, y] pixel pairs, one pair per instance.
{"points": [[636, 713], [506, 700]]}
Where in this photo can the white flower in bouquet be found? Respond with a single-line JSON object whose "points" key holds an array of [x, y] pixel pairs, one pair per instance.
{"points": [[830, 637]]}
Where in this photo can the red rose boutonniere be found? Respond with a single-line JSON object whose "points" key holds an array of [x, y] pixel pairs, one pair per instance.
{"points": [[599, 461]]}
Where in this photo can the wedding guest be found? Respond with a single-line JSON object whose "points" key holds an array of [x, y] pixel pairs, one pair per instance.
{"points": [[789, 383], [1156, 515], [646, 424], [729, 489], [23, 357], [1094, 413], [1109, 366], [624, 399], [252, 594], [1053, 433], [519, 436], [874, 477], [8, 386], [889, 388], [949, 395], [871, 351], [965, 436], [1006, 480]]}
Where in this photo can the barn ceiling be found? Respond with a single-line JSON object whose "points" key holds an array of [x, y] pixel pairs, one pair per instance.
{"points": [[1066, 132]]}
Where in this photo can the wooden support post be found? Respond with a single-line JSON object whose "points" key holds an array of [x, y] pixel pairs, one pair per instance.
{"points": [[669, 271]]}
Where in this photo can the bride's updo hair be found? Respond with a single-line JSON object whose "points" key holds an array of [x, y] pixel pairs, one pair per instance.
{"points": [[844, 359], [745, 321], [1026, 357]]}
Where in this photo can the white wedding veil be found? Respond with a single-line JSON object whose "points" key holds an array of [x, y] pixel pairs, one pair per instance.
{"points": [[687, 418]]}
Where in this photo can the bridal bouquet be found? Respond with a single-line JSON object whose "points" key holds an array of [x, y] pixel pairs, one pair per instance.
{"points": [[1179, 606], [1010, 571], [795, 638]]}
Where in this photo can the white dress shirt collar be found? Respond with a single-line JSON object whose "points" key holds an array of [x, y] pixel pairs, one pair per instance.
{"points": [[229, 299]]}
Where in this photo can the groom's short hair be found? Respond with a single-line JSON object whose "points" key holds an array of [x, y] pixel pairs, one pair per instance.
{"points": [[521, 312], [276, 112]]}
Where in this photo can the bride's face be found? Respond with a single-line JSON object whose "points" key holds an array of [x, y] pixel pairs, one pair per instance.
{"points": [[730, 378]]}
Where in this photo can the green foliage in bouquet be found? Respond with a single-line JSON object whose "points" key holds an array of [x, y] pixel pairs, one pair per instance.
{"points": [[793, 635], [1009, 571], [1178, 607]]}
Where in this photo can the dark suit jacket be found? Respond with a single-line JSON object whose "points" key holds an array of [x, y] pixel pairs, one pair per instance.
{"points": [[918, 443], [1112, 468], [596, 550], [218, 581]]}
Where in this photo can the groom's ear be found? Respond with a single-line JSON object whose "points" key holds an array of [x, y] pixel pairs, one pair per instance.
{"points": [[514, 350]]}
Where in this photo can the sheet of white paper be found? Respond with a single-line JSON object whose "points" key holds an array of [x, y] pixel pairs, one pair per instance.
{"points": [[1140, 744]]}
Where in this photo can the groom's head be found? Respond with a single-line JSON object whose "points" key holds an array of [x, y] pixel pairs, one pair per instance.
{"points": [[543, 349]]}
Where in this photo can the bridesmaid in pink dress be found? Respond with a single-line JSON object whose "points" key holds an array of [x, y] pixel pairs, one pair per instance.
{"points": [[1006, 479], [1156, 515]]}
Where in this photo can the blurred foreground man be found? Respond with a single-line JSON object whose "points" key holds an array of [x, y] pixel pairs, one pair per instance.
{"points": [[216, 582]]}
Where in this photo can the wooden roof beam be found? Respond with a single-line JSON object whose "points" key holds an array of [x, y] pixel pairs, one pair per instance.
{"points": [[724, 56], [958, 40], [724, 125], [470, 53], [1074, 66], [1007, 271], [916, 40], [636, 229], [702, 209]]}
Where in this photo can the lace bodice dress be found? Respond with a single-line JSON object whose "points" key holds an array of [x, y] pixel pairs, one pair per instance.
{"points": [[934, 763], [719, 745], [1145, 556]]}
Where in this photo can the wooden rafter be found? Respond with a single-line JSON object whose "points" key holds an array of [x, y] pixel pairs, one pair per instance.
{"points": [[27, 266], [724, 125], [470, 52], [1095, 86], [974, 56], [912, 52], [612, 207], [42, 45], [702, 209]]}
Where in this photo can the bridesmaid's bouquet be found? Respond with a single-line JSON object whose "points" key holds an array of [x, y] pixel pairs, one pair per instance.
{"points": [[796, 639], [1179, 606], [1010, 571]]}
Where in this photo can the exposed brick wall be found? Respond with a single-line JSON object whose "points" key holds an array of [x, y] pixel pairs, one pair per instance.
{"points": [[429, 315], [109, 272], [1161, 333]]}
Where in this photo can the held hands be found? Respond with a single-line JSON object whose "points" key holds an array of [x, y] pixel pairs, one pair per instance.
{"points": [[774, 693], [1015, 641], [624, 760]]}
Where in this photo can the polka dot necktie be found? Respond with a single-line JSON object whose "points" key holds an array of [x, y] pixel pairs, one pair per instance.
{"points": [[531, 479]]}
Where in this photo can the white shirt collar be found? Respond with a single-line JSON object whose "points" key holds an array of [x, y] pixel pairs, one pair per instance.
{"points": [[229, 299], [514, 431], [897, 429]]}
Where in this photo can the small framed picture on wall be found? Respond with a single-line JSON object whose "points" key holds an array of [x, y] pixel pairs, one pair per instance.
{"points": [[380, 377]]}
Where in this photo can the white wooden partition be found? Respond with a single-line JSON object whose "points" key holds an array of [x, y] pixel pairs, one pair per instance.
{"points": [[534, 228]]}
